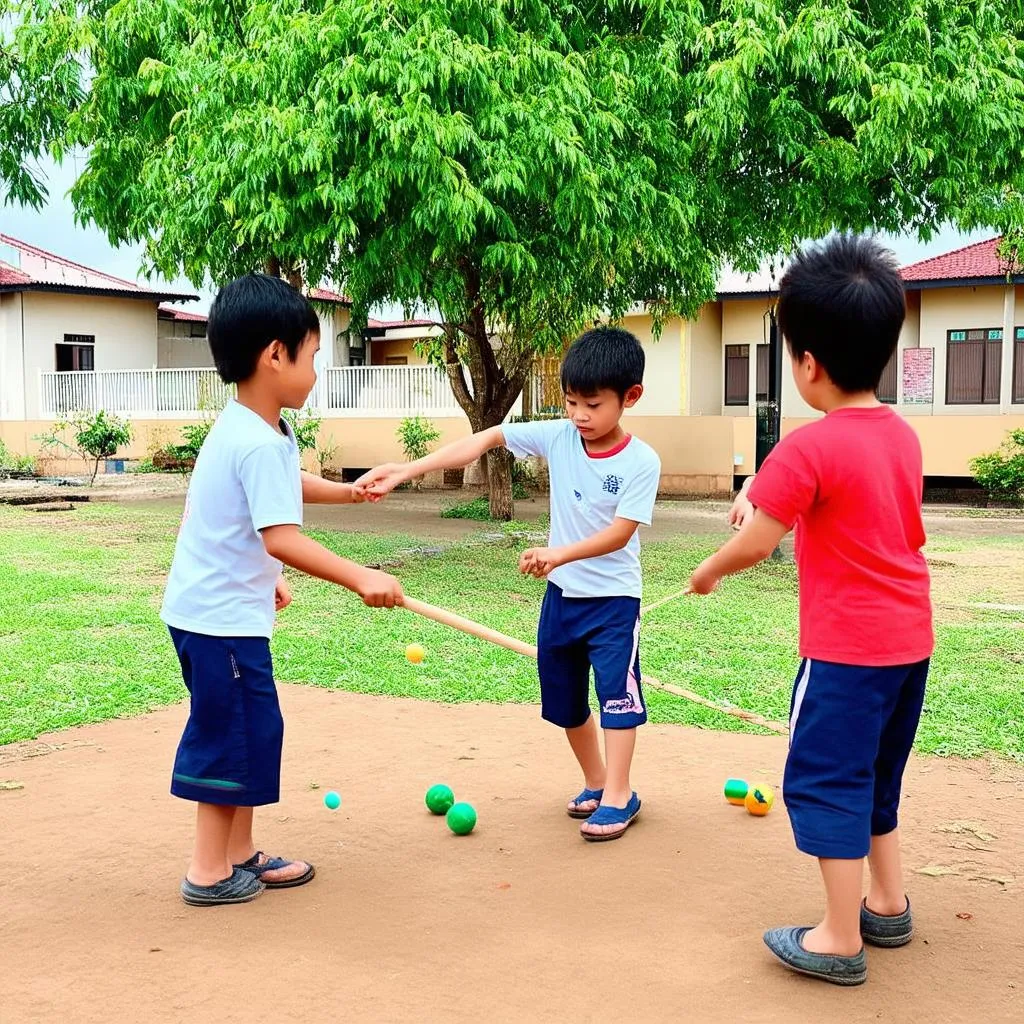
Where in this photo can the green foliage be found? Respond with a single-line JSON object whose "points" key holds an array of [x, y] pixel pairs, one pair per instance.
{"points": [[11, 463], [94, 437], [305, 426], [1001, 472], [325, 452], [40, 86], [416, 434], [479, 509]]}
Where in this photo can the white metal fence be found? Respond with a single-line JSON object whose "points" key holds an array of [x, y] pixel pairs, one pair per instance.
{"points": [[384, 391]]}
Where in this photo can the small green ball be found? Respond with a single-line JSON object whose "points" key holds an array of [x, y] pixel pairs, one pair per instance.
{"points": [[439, 798], [461, 819], [332, 800]]}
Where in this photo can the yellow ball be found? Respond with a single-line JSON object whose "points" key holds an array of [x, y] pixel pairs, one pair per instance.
{"points": [[415, 653], [759, 800]]}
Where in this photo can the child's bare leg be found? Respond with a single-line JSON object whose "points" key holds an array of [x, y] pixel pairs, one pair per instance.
{"points": [[618, 745], [583, 740], [242, 847], [210, 860], [887, 895], [839, 932]]}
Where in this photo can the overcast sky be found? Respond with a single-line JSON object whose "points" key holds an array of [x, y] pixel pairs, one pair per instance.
{"points": [[54, 228]]}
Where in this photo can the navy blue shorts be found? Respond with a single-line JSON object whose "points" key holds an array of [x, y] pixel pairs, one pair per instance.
{"points": [[576, 633], [851, 731], [230, 751]]}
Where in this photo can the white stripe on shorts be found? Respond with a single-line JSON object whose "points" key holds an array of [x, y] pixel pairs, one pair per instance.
{"points": [[798, 699]]}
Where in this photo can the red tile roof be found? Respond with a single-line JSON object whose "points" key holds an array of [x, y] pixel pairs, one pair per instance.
{"points": [[326, 295], [387, 324], [972, 261], [40, 270], [180, 314]]}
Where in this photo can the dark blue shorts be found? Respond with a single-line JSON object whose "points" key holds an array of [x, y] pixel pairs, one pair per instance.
{"points": [[577, 633], [230, 751], [851, 731]]}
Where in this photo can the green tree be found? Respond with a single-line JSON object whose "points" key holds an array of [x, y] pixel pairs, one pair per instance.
{"points": [[523, 166], [94, 437], [40, 85], [416, 434]]}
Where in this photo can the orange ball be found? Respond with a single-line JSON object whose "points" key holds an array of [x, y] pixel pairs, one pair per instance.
{"points": [[415, 653], [759, 800]]}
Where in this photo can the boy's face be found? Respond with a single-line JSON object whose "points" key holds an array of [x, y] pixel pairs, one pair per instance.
{"points": [[596, 416], [296, 378]]}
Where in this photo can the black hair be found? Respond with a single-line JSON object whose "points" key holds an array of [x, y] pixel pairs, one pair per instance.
{"points": [[251, 312], [843, 302], [603, 357]]}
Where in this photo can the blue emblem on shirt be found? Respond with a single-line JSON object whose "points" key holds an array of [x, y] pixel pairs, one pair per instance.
{"points": [[612, 483]]}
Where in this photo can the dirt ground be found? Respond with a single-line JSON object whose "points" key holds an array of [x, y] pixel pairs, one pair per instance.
{"points": [[520, 921]]}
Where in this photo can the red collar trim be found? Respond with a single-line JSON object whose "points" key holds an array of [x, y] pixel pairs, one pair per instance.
{"points": [[611, 451]]}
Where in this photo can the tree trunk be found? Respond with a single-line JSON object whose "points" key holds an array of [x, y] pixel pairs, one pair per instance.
{"points": [[499, 484]]}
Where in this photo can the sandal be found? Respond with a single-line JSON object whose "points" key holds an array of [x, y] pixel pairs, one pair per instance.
{"points": [[257, 866], [241, 887], [624, 816], [587, 796]]}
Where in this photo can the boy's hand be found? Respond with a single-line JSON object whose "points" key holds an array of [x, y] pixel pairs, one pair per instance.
{"points": [[378, 482], [282, 594], [378, 589], [704, 580], [741, 512], [539, 562]]}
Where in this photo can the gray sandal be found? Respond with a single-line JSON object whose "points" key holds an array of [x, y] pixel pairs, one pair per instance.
{"points": [[885, 930], [786, 945], [241, 887]]}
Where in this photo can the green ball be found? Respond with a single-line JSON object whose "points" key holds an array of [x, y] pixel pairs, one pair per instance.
{"points": [[461, 819], [332, 800], [439, 798]]}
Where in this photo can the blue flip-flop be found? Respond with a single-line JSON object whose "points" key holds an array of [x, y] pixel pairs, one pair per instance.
{"points": [[624, 816], [587, 794], [257, 867]]}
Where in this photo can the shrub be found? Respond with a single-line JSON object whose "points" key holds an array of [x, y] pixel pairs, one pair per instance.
{"points": [[95, 436], [1001, 472], [13, 464], [478, 509], [306, 428], [416, 435]]}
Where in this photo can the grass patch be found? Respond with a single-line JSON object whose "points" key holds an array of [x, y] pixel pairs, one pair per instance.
{"points": [[80, 640]]}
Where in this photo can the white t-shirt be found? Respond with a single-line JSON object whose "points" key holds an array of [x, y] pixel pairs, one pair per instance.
{"points": [[246, 478], [587, 493]]}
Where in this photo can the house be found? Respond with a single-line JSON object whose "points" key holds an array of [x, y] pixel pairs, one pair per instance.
{"points": [[958, 373], [57, 316]]}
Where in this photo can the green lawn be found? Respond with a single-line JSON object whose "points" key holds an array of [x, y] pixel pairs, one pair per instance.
{"points": [[80, 640]]}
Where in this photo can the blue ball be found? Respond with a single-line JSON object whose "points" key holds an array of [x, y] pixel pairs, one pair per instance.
{"points": [[332, 800]]}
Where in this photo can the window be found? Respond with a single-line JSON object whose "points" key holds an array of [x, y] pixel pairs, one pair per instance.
{"points": [[737, 374], [887, 386], [973, 366], [396, 360], [197, 329], [75, 352], [763, 363]]}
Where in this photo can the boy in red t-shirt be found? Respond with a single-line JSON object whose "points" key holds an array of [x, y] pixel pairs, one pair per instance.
{"points": [[851, 485]]}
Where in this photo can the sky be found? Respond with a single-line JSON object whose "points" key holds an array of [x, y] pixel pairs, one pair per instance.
{"points": [[54, 228]]}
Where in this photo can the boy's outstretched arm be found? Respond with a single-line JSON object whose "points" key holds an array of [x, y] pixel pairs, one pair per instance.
{"points": [[753, 544], [384, 479], [318, 491], [289, 545], [540, 561]]}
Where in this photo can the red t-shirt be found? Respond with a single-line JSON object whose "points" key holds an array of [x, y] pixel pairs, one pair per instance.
{"points": [[851, 484]]}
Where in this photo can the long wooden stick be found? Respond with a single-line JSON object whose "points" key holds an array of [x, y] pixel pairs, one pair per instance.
{"points": [[447, 618]]}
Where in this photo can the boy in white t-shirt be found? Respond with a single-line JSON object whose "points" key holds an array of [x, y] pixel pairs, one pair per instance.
{"points": [[242, 521], [603, 485]]}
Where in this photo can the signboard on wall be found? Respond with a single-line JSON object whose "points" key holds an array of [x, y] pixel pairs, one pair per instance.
{"points": [[918, 378]]}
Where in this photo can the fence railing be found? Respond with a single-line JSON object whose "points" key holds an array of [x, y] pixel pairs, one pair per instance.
{"points": [[384, 391]]}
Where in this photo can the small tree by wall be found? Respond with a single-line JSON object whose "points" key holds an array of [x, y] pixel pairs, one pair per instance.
{"points": [[416, 435], [95, 436]]}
